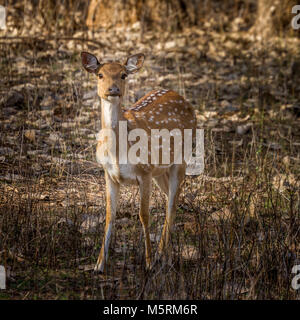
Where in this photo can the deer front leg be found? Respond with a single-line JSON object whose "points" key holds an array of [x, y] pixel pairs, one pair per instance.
{"points": [[112, 197], [145, 191]]}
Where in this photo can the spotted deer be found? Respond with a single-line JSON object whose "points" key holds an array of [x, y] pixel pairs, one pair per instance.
{"points": [[159, 109]]}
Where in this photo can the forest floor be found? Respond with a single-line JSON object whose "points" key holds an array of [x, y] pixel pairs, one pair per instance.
{"points": [[237, 227]]}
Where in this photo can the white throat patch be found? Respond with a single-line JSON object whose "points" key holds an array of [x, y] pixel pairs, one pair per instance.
{"points": [[110, 109]]}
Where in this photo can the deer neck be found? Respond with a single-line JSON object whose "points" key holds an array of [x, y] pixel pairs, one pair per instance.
{"points": [[111, 113]]}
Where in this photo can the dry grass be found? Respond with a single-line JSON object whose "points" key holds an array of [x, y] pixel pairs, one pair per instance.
{"points": [[237, 227]]}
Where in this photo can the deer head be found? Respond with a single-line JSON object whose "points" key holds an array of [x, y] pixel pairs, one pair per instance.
{"points": [[111, 75]]}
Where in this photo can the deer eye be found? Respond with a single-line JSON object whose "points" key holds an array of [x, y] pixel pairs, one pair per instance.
{"points": [[124, 76], [100, 75]]}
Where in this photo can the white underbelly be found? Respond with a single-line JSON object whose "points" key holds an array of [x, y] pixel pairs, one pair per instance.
{"points": [[128, 173], [123, 173]]}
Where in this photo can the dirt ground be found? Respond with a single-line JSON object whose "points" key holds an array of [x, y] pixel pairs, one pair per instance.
{"points": [[237, 226]]}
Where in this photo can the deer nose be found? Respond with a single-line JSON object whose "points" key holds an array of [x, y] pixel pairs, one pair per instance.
{"points": [[114, 90]]}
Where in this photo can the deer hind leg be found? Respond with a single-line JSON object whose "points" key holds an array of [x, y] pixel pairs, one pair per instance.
{"points": [[145, 191], [112, 197], [163, 183], [176, 176]]}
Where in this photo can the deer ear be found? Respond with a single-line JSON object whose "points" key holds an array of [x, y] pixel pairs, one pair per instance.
{"points": [[134, 62], [89, 62]]}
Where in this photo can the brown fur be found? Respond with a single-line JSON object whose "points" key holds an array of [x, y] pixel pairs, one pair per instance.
{"points": [[159, 109]]}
